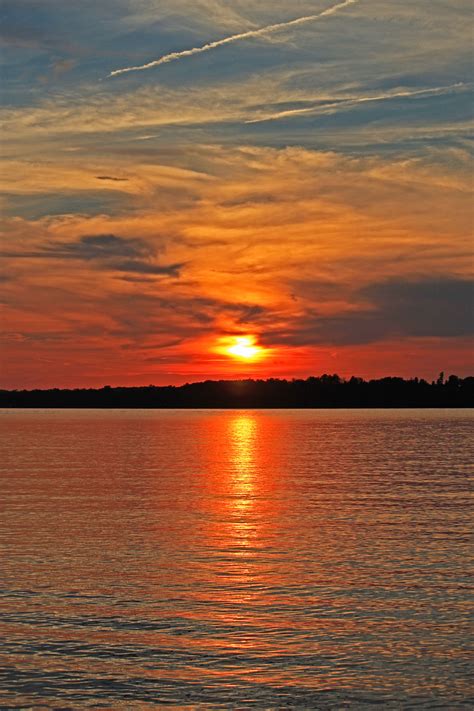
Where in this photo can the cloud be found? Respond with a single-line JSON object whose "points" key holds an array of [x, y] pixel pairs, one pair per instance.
{"points": [[112, 178], [337, 233], [344, 103], [62, 65], [249, 313], [138, 267], [101, 246], [261, 32], [142, 315], [429, 308], [109, 251], [433, 307]]}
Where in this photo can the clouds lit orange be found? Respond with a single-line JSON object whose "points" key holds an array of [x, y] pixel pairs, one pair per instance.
{"points": [[279, 194]]}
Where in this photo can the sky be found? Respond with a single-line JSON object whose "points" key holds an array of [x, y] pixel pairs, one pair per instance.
{"points": [[199, 189]]}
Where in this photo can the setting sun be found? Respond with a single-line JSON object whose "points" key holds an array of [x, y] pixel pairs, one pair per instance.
{"points": [[244, 347]]}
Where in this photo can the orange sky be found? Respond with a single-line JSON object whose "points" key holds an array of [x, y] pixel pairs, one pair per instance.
{"points": [[305, 188]]}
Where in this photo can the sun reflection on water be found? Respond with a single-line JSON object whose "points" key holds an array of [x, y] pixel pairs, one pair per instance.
{"points": [[243, 432], [236, 559], [243, 479]]}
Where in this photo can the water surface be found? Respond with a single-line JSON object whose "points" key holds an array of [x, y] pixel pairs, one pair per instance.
{"points": [[235, 559]]}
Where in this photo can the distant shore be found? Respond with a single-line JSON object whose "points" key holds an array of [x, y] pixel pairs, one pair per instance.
{"points": [[325, 391]]}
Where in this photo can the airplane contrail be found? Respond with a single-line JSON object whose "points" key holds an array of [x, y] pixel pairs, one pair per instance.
{"points": [[269, 29], [354, 100]]}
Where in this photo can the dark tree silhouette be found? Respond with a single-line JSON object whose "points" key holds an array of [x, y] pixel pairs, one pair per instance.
{"points": [[325, 391]]}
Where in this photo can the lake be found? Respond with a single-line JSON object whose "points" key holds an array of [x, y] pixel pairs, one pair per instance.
{"points": [[236, 559]]}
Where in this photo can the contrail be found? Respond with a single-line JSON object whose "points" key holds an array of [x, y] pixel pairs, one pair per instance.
{"points": [[269, 29], [353, 101]]}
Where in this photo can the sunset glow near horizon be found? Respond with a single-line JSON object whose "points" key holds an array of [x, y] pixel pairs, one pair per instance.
{"points": [[244, 348], [281, 190]]}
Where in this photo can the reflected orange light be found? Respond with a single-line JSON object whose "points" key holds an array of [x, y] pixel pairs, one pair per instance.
{"points": [[243, 435]]}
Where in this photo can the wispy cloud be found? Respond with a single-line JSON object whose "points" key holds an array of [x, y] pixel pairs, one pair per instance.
{"points": [[108, 252], [112, 178], [261, 32], [346, 102]]}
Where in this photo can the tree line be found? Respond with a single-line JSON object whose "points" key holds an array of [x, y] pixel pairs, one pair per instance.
{"points": [[325, 391]]}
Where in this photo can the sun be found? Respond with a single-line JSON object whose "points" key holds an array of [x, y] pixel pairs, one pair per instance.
{"points": [[244, 348]]}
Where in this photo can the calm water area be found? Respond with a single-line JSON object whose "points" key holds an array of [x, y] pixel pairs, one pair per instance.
{"points": [[238, 559]]}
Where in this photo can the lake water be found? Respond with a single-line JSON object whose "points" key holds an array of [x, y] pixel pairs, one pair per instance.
{"points": [[235, 559]]}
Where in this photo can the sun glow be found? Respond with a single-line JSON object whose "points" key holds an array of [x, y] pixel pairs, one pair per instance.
{"points": [[244, 348]]}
